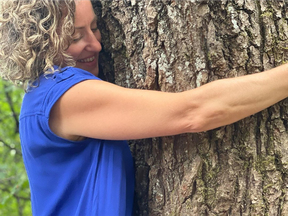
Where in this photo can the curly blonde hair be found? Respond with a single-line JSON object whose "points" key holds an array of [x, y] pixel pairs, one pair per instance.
{"points": [[34, 35]]}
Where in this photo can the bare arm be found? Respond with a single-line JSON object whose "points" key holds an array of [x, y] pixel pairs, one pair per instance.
{"points": [[228, 100], [102, 110]]}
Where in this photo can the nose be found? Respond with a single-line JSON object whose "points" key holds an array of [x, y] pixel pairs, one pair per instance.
{"points": [[93, 42]]}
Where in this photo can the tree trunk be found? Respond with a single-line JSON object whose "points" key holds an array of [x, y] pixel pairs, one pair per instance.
{"points": [[176, 45]]}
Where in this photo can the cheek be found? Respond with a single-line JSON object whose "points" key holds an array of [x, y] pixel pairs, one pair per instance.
{"points": [[74, 50]]}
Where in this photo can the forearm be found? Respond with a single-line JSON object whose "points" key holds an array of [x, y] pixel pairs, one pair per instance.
{"points": [[225, 101]]}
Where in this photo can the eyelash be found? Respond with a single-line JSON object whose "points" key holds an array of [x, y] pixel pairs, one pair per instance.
{"points": [[80, 37], [94, 29], [77, 39]]}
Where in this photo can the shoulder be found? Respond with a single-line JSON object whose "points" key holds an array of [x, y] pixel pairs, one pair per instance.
{"points": [[43, 94], [67, 73], [50, 78]]}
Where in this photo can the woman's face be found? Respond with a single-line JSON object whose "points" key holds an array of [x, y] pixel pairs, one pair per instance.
{"points": [[86, 45]]}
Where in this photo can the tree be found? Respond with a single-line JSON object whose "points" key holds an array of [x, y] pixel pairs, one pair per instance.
{"points": [[175, 45], [14, 187]]}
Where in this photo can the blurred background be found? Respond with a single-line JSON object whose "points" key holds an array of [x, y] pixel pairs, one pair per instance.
{"points": [[14, 186]]}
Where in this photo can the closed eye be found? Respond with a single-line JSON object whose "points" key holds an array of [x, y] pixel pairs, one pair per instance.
{"points": [[77, 38], [94, 29]]}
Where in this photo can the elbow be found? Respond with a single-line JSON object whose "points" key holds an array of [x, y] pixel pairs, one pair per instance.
{"points": [[207, 120], [195, 125]]}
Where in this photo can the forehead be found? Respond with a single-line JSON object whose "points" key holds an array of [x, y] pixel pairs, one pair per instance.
{"points": [[84, 12]]}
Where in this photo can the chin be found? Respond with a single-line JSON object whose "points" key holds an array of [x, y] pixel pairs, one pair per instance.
{"points": [[94, 71]]}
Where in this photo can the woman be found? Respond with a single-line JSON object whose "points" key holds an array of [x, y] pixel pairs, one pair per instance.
{"points": [[72, 124]]}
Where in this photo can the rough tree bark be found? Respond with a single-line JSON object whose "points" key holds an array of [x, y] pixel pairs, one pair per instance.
{"points": [[175, 45]]}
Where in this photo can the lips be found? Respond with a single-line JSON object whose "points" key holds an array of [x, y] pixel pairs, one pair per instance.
{"points": [[89, 64], [87, 60]]}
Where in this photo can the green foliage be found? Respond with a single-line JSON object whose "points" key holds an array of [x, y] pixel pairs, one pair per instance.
{"points": [[14, 186]]}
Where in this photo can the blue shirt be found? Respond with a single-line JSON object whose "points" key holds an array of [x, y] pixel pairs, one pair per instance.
{"points": [[69, 178]]}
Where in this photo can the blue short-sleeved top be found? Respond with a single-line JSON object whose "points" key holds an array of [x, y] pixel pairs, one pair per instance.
{"points": [[67, 178]]}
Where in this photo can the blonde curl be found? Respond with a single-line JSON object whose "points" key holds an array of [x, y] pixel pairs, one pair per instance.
{"points": [[34, 35]]}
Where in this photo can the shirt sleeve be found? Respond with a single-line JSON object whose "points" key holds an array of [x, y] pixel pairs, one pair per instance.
{"points": [[63, 82]]}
